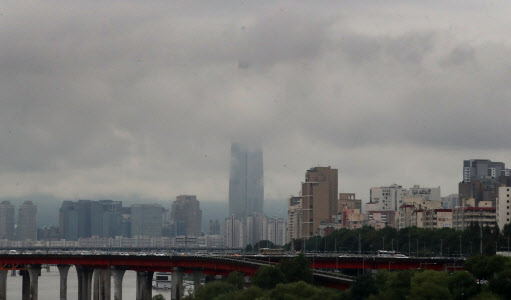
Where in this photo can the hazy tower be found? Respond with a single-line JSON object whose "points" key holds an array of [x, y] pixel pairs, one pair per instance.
{"points": [[246, 186], [27, 228], [6, 220]]}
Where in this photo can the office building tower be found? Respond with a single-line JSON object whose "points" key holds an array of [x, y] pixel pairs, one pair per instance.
{"points": [[476, 169], [186, 215], [27, 225], [146, 220], [86, 218], [504, 206], [481, 180], [246, 186], [68, 220], [6, 220]]}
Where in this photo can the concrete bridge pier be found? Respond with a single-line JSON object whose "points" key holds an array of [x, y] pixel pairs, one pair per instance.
{"points": [[144, 285], [63, 270], [176, 283], [105, 284], [25, 285], [34, 271], [118, 275], [3, 284], [84, 282], [196, 280], [95, 284]]}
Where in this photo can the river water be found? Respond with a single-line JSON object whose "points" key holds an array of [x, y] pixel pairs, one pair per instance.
{"points": [[49, 285]]}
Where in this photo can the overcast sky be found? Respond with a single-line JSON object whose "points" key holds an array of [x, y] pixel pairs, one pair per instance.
{"points": [[143, 98]]}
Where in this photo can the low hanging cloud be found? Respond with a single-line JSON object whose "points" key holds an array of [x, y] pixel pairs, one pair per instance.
{"points": [[130, 98]]}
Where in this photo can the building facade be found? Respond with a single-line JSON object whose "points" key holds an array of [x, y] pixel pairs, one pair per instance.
{"points": [[6, 220], [234, 232], [246, 182], [319, 199], [186, 215], [503, 206], [27, 223], [146, 220]]}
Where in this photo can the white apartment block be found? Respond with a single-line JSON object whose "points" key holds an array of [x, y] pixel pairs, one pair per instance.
{"points": [[234, 232], [503, 206], [392, 197]]}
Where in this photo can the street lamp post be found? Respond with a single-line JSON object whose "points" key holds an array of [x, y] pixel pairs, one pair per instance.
{"points": [[409, 253], [417, 240], [460, 245], [441, 244]]}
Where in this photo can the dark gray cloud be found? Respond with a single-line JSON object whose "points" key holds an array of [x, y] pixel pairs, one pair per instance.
{"points": [[131, 98]]}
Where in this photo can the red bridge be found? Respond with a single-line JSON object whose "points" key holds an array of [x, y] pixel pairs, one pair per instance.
{"points": [[106, 266]]}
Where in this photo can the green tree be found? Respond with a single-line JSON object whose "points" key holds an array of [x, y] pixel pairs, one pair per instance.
{"points": [[249, 248], [267, 277], [237, 279], [396, 285], [303, 291], [429, 285], [501, 284], [462, 285], [363, 287], [211, 290], [296, 269], [250, 293], [158, 297]]}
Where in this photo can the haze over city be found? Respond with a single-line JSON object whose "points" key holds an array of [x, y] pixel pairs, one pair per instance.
{"points": [[142, 100]]}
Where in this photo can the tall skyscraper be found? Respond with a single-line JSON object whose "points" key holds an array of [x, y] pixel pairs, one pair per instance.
{"points": [[246, 185], [186, 215], [27, 228], [6, 220]]}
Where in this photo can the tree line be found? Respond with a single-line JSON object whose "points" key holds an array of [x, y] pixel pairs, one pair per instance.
{"points": [[411, 241]]}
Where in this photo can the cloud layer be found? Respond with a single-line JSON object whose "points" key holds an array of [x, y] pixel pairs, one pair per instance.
{"points": [[129, 98]]}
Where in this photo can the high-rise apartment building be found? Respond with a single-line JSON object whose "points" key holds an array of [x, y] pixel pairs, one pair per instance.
{"points": [[256, 228], [186, 215], [27, 225], [294, 218], [234, 232], [246, 186], [318, 199], [146, 220], [276, 231], [6, 220]]}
